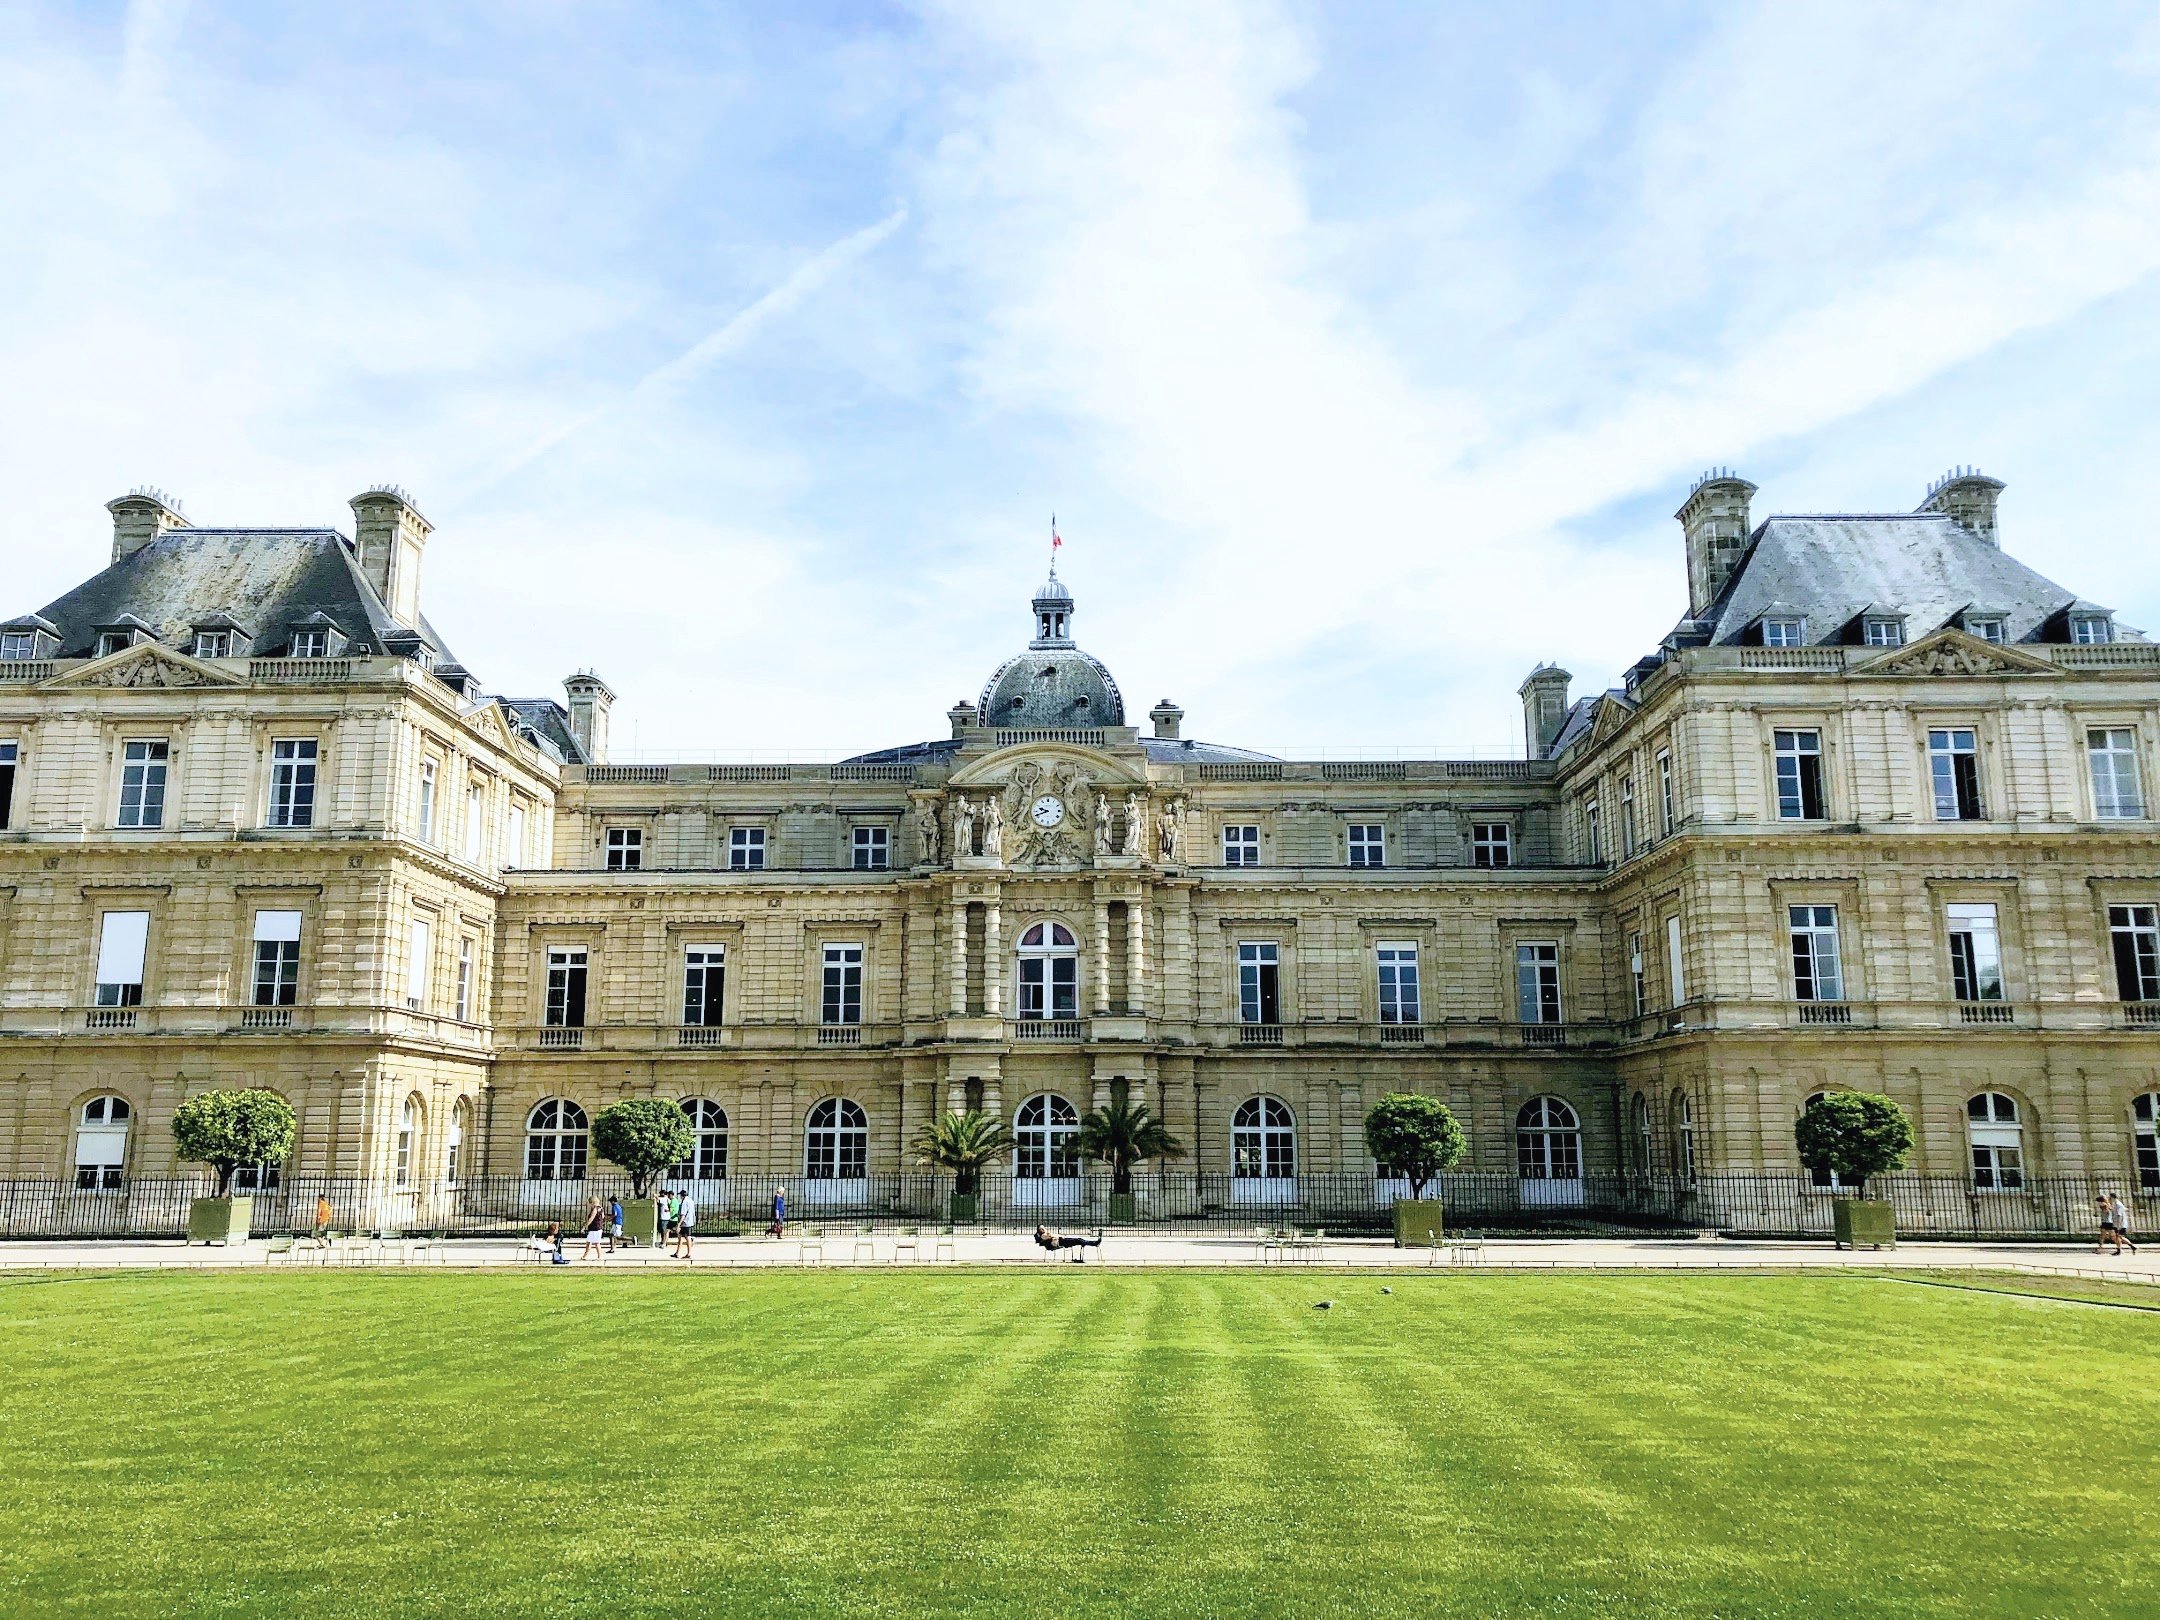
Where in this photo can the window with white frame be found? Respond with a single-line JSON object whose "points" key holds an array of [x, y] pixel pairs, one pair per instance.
{"points": [[2111, 752], [1263, 1140], [842, 999], [1998, 1142], [708, 1154], [836, 1142], [1259, 982], [101, 1142], [1368, 844], [514, 853], [1988, 627], [2134, 936], [1627, 818], [1818, 974], [1399, 989], [1049, 973], [557, 1140], [428, 773], [625, 849], [10, 757], [464, 1004], [1665, 793], [292, 781], [123, 941], [419, 962], [408, 1139], [873, 849], [311, 643], [248, 1180], [1975, 953], [1548, 1141], [1645, 1136], [1954, 773], [1683, 1109], [2091, 629], [1882, 631], [704, 985], [567, 966], [213, 644], [1640, 991], [1537, 982], [2145, 1139], [1241, 845], [142, 781], [1594, 832], [16, 645], [1784, 632], [1675, 964], [1798, 758], [1492, 844], [746, 849], [454, 1142], [277, 958], [475, 822], [1046, 1139]]}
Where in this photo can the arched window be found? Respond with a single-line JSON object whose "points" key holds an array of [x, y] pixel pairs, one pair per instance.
{"points": [[708, 1159], [1645, 1138], [101, 1135], [408, 1138], [836, 1147], [454, 1148], [1829, 1180], [555, 1141], [1046, 1133], [1263, 1140], [1683, 1115], [1548, 1141], [1998, 1141], [1049, 973], [2145, 1139]]}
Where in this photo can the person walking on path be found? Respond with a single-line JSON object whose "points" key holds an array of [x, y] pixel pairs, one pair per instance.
{"points": [[614, 1210], [322, 1217], [595, 1222], [2119, 1215], [685, 1225], [779, 1214], [2107, 1225], [670, 1214]]}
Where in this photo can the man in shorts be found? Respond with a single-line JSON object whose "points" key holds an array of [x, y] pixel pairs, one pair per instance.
{"points": [[2119, 1222], [685, 1224], [615, 1238]]}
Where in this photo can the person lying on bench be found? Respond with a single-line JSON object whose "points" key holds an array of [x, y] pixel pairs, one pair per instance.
{"points": [[1054, 1241]]}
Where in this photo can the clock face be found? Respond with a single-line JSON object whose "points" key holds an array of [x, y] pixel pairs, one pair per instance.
{"points": [[1048, 811]]}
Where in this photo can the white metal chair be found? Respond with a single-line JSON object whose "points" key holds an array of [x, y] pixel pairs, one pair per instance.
{"points": [[865, 1246], [909, 1243], [811, 1245], [948, 1247]]}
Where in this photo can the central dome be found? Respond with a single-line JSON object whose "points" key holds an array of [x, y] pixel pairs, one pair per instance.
{"points": [[1053, 683]]}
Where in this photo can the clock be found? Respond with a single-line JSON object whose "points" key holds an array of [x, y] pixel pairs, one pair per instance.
{"points": [[1049, 810]]}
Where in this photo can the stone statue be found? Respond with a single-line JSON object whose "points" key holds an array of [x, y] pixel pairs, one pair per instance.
{"points": [[1173, 815], [926, 831], [1135, 823], [963, 826], [1102, 824], [993, 843]]}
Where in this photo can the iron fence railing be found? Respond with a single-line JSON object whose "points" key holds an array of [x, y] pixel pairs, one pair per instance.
{"points": [[1164, 1200]]}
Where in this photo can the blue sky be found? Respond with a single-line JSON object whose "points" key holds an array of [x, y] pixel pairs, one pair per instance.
{"points": [[1363, 352]]}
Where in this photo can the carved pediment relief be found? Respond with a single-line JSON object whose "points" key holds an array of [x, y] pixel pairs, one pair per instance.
{"points": [[1952, 652], [146, 666]]}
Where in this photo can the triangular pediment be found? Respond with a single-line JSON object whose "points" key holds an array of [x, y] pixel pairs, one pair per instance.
{"points": [[144, 667], [1954, 652], [1612, 714]]}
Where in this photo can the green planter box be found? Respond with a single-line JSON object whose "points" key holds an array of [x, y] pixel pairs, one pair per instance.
{"points": [[1415, 1218], [964, 1206], [1864, 1220], [1121, 1207], [219, 1220], [641, 1220]]}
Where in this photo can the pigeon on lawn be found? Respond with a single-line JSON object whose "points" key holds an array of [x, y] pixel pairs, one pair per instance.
{"points": [[1323, 1304]]}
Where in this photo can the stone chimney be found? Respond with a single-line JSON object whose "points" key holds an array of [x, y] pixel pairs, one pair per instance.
{"points": [[141, 516], [1715, 518], [962, 716], [1544, 708], [1168, 717], [590, 701], [391, 534], [1966, 496]]}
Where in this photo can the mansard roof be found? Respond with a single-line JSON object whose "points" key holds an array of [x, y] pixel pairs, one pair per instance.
{"points": [[1160, 751], [550, 722], [271, 579]]}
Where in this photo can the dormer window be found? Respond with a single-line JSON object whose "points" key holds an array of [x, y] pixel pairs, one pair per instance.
{"points": [[1882, 630], [213, 644], [311, 644], [17, 644], [1784, 632], [112, 641], [1988, 627], [2091, 629]]}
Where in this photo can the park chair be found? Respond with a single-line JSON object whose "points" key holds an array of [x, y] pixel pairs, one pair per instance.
{"points": [[909, 1243], [1267, 1241], [1469, 1249], [426, 1247], [1312, 1248], [948, 1247], [865, 1245], [278, 1248], [812, 1245]]}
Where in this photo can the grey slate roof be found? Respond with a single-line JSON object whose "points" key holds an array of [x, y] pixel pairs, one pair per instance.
{"points": [[550, 722], [1051, 686], [267, 579], [1161, 751]]}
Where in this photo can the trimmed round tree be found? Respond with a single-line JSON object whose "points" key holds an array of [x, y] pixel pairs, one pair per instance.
{"points": [[1854, 1135], [1416, 1137], [226, 1129], [644, 1135]]}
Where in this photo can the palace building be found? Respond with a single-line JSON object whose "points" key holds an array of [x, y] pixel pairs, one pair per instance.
{"points": [[1877, 812]]}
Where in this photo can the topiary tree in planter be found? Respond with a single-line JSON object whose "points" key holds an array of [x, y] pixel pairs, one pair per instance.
{"points": [[967, 1145], [1856, 1135], [1122, 1135], [644, 1136], [226, 1129], [1416, 1137]]}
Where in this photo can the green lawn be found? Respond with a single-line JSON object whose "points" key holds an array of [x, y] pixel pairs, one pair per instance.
{"points": [[1064, 1440]]}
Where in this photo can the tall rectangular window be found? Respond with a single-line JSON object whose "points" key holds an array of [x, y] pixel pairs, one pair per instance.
{"points": [[277, 958], [1399, 1001], [1241, 845], [1627, 817], [419, 963], [843, 985], [565, 1009], [292, 782], [2112, 752], [464, 984], [427, 801], [123, 940], [514, 853], [1817, 974], [142, 782], [1492, 844], [1368, 844], [746, 849], [1975, 953], [1954, 771], [1259, 974], [704, 985], [475, 822], [1665, 794], [1799, 775], [1537, 982], [625, 849], [1675, 963], [10, 756], [1594, 832], [1636, 985], [2134, 931], [873, 849]]}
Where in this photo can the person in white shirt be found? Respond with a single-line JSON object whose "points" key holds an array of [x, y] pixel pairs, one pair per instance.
{"points": [[2119, 1221], [685, 1225]]}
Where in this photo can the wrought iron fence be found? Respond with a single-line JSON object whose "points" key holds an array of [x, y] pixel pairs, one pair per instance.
{"points": [[1164, 1201]]}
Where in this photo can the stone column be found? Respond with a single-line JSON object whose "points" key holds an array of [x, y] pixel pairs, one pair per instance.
{"points": [[1136, 997], [1102, 956], [959, 958], [993, 962]]}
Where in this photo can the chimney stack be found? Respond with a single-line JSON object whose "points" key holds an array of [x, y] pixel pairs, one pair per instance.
{"points": [[1715, 518], [141, 516], [590, 701], [962, 716], [1168, 718], [1544, 708], [390, 534], [1966, 496]]}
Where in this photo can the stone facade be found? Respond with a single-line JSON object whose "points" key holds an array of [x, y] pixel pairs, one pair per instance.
{"points": [[1589, 953]]}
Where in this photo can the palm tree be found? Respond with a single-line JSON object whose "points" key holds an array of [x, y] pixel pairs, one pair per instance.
{"points": [[1123, 1135], [966, 1144]]}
